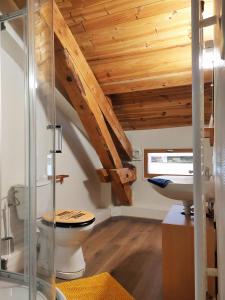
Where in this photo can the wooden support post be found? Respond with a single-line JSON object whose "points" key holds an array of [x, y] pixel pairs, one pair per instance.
{"points": [[126, 175], [89, 112], [104, 175], [209, 133]]}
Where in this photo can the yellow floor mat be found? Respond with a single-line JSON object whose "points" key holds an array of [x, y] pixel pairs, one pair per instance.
{"points": [[98, 287]]}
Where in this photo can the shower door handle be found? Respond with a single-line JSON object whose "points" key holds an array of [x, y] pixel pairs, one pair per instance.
{"points": [[58, 137]]}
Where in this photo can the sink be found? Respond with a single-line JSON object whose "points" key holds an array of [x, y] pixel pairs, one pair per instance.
{"points": [[181, 188]]}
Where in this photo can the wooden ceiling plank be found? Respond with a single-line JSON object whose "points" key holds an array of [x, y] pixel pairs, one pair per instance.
{"points": [[135, 29], [152, 82], [157, 94], [80, 4], [169, 7], [145, 7], [168, 107], [111, 76], [149, 107], [171, 61], [133, 47], [166, 56], [121, 5], [148, 126]]}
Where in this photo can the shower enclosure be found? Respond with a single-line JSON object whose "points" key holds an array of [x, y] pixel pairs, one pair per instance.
{"points": [[27, 134]]}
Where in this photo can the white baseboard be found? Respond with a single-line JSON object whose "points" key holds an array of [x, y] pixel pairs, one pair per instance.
{"points": [[102, 214], [139, 212]]}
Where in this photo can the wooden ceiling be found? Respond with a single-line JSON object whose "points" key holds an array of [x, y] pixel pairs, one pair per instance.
{"points": [[158, 108], [133, 45], [140, 53]]}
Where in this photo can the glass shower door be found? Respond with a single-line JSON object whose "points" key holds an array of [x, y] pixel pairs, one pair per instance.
{"points": [[27, 133]]}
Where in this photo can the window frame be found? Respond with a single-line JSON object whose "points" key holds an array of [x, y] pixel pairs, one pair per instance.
{"points": [[163, 150]]}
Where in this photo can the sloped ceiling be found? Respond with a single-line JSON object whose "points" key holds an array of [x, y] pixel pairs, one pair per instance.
{"points": [[140, 52]]}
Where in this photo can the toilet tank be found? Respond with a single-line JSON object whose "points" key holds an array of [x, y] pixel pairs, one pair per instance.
{"points": [[44, 190]]}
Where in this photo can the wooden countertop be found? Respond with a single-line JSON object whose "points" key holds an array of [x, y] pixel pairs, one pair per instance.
{"points": [[174, 217]]}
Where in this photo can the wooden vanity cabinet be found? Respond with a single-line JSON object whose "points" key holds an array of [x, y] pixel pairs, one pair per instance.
{"points": [[178, 255]]}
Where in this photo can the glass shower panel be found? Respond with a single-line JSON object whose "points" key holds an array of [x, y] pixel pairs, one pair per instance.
{"points": [[13, 149], [27, 133], [45, 150]]}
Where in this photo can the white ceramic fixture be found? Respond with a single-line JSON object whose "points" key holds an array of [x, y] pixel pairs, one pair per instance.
{"points": [[17, 292], [69, 258], [181, 188]]}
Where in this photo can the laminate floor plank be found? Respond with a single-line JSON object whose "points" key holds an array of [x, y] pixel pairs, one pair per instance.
{"points": [[130, 250]]}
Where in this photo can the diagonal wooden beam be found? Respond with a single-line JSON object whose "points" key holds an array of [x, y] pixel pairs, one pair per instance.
{"points": [[93, 120], [90, 114], [69, 43], [94, 109], [78, 82]]}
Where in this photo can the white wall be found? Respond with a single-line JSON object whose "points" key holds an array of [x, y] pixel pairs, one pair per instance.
{"points": [[146, 201], [12, 126]]}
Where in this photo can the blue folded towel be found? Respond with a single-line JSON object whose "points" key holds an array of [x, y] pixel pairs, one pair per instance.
{"points": [[159, 182]]}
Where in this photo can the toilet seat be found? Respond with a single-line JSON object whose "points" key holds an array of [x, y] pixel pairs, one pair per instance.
{"points": [[70, 218]]}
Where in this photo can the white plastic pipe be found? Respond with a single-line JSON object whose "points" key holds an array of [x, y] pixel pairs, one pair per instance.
{"points": [[199, 202]]}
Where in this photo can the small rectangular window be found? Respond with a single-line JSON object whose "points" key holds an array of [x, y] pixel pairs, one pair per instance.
{"points": [[168, 162]]}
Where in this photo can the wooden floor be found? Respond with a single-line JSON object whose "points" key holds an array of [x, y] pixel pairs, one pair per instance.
{"points": [[130, 250]]}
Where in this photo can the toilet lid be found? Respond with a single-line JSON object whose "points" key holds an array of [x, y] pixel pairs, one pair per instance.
{"points": [[70, 218]]}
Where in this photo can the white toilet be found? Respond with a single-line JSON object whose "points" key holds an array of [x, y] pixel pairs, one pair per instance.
{"points": [[72, 227]]}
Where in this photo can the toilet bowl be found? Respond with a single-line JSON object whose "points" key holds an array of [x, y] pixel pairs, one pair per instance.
{"points": [[72, 228]]}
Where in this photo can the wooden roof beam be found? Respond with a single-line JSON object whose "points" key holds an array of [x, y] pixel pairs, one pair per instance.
{"points": [[87, 77], [93, 120], [94, 109], [85, 105]]}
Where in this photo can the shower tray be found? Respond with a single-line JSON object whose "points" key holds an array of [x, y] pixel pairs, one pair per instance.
{"points": [[20, 292]]}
